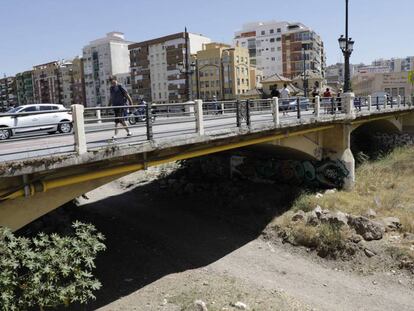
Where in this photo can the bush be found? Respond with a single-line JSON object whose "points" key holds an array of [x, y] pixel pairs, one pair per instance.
{"points": [[48, 270]]}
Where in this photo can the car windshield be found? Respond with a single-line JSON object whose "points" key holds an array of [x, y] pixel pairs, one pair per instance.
{"points": [[14, 110]]}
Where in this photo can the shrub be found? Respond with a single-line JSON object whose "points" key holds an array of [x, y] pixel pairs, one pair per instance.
{"points": [[48, 270]]}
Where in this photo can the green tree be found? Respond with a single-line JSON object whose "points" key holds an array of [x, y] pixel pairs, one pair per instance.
{"points": [[48, 270]]}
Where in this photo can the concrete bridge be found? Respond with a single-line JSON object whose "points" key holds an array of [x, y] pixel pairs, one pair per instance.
{"points": [[39, 174]]}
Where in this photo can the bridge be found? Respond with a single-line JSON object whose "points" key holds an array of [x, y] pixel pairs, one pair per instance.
{"points": [[40, 173]]}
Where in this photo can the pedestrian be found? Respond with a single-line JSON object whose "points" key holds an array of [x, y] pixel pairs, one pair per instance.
{"points": [[339, 100], [327, 93], [275, 92], [119, 97], [315, 92], [284, 95]]}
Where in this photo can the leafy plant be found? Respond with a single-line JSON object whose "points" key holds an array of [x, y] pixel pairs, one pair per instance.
{"points": [[48, 270]]}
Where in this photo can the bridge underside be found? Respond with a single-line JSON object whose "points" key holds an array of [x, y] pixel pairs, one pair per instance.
{"points": [[50, 189]]}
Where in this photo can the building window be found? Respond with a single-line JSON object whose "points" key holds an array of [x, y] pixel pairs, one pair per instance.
{"points": [[272, 39], [272, 30], [263, 32], [279, 30]]}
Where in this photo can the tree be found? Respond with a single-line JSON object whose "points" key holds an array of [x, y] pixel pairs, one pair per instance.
{"points": [[48, 270]]}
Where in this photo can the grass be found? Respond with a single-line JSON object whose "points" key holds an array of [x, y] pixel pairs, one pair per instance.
{"points": [[384, 186]]}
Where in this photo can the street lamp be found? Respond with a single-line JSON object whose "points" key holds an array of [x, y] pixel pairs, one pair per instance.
{"points": [[347, 46], [305, 80], [188, 70]]}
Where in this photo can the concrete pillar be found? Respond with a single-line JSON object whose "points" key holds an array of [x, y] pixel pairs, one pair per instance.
{"points": [[275, 111], [79, 129], [199, 116], [385, 101], [399, 101], [337, 142], [369, 102], [348, 104], [317, 106], [98, 115]]}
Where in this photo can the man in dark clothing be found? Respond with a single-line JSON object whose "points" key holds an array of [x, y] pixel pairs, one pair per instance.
{"points": [[275, 92], [119, 97]]}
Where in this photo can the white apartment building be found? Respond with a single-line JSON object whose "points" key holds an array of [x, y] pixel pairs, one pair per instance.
{"points": [[265, 43], [102, 58], [155, 72]]}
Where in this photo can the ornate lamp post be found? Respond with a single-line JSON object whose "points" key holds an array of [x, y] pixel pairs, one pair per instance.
{"points": [[347, 46], [187, 68]]}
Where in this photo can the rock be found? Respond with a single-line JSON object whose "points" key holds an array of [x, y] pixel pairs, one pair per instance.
{"points": [[318, 210], [374, 282], [339, 218], [200, 305], [330, 191], [312, 219], [370, 214], [368, 229], [409, 236], [240, 305], [369, 253], [391, 223], [355, 238], [319, 195], [299, 216]]}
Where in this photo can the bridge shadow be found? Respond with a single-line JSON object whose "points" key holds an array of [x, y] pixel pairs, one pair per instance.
{"points": [[152, 232]]}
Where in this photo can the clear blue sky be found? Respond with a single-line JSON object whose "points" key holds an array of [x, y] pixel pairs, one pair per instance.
{"points": [[38, 31]]}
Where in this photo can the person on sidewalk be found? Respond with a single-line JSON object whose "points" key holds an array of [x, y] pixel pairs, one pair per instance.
{"points": [[119, 97], [284, 95]]}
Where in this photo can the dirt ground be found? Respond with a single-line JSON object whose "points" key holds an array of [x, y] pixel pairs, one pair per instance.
{"points": [[164, 251]]}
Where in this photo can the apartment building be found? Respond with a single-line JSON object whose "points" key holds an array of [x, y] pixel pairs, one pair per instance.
{"points": [[24, 87], [102, 58], [222, 72], [78, 82], [8, 93], [270, 54], [155, 70], [302, 49], [47, 83]]}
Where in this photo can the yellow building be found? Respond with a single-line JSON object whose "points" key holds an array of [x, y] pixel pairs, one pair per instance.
{"points": [[221, 71]]}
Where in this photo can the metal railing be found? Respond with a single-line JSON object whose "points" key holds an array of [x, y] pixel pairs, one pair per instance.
{"points": [[93, 127]]}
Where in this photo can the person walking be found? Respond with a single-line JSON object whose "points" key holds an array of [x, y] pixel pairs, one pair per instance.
{"points": [[284, 95], [119, 97]]}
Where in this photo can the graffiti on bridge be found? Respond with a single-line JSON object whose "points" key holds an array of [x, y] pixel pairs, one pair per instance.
{"points": [[327, 173]]}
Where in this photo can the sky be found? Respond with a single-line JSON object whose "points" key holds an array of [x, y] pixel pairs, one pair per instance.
{"points": [[39, 31]]}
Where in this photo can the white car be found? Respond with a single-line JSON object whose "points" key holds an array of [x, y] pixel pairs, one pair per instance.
{"points": [[29, 119]]}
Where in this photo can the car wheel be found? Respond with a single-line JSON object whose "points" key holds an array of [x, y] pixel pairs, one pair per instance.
{"points": [[5, 133], [65, 127]]}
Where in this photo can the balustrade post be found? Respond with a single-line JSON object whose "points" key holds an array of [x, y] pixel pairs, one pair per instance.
{"points": [[79, 129], [148, 115], [275, 111], [369, 102], [317, 106], [98, 115], [399, 101], [199, 117], [385, 101]]}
